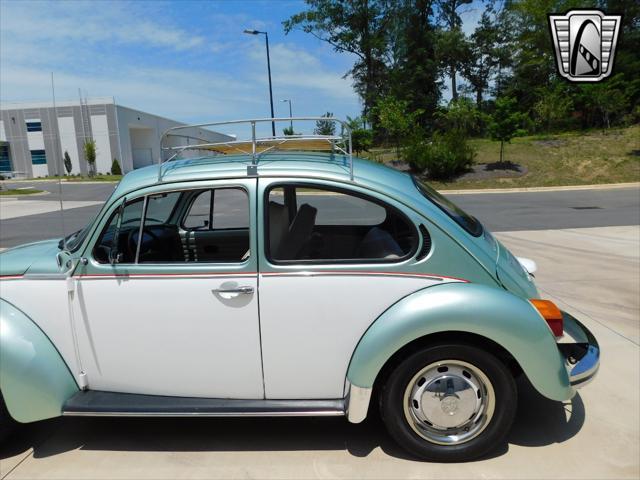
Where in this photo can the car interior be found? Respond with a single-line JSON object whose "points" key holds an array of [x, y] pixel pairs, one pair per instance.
{"points": [[212, 226], [318, 224], [173, 233]]}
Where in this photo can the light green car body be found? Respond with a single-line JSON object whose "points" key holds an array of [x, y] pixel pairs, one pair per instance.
{"points": [[491, 304]]}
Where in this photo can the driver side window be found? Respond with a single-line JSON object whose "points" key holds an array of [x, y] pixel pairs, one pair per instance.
{"points": [[203, 225], [128, 226]]}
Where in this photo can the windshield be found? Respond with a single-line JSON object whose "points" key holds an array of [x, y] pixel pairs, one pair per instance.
{"points": [[466, 221]]}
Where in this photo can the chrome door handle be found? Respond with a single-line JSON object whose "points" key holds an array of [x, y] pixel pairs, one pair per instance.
{"points": [[244, 290]]}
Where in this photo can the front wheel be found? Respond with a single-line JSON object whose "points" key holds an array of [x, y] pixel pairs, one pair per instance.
{"points": [[449, 403]]}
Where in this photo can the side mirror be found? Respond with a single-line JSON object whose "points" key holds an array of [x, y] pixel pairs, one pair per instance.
{"points": [[64, 261]]}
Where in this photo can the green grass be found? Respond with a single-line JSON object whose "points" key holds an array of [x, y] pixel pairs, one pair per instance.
{"points": [[20, 191], [84, 178], [96, 178], [575, 158]]}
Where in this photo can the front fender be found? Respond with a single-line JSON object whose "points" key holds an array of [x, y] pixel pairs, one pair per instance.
{"points": [[498, 315], [34, 379]]}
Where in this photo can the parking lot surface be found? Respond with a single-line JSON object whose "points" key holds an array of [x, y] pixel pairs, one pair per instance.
{"points": [[594, 273]]}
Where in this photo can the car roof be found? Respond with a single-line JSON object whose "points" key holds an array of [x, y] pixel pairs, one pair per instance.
{"points": [[320, 166]]}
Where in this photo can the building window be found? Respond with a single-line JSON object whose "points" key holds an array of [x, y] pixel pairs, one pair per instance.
{"points": [[34, 126], [5, 160], [38, 157]]}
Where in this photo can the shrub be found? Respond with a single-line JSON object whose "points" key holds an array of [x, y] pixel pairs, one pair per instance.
{"points": [[362, 140], [444, 156], [115, 167], [90, 155]]}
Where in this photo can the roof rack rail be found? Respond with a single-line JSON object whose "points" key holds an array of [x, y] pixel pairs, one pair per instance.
{"points": [[257, 146]]}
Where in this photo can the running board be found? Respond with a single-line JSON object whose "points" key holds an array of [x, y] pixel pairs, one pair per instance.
{"points": [[92, 403]]}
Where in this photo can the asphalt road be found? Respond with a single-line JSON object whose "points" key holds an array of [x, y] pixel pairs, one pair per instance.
{"points": [[498, 211]]}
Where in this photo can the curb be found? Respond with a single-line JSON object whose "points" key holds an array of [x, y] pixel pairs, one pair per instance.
{"points": [[29, 195], [65, 181], [603, 186]]}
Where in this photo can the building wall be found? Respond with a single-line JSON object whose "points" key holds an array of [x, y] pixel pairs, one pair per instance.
{"points": [[68, 142], [16, 132], [140, 133], [131, 136]]}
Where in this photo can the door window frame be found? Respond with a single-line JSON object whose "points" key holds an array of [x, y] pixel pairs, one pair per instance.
{"points": [[174, 265], [339, 189]]}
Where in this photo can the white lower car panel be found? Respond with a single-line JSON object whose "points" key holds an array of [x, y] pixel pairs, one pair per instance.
{"points": [[170, 335], [311, 324]]}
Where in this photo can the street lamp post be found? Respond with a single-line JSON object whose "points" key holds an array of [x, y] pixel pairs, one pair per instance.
{"points": [[266, 39], [288, 100]]}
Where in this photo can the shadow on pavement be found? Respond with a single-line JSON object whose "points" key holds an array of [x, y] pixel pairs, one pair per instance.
{"points": [[539, 422]]}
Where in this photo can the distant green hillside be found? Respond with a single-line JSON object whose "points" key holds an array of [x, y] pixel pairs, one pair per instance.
{"points": [[575, 158]]}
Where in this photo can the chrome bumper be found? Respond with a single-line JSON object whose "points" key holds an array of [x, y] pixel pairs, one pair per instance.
{"points": [[583, 356]]}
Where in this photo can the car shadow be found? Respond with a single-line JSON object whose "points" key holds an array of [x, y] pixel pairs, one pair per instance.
{"points": [[539, 422]]}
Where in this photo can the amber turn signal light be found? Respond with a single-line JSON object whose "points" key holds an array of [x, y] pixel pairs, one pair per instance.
{"points": [[551, 313]]}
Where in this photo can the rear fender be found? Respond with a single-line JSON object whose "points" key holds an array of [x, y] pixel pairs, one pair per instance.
{"points": [[34, 379], [496, 314]]}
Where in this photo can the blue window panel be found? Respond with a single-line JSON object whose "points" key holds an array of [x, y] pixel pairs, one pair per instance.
{"points": [[38, 157], [5, 161], [34, 126]]}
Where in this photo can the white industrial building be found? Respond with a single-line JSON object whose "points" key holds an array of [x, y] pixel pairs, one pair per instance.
{"points": [[35, 136]]}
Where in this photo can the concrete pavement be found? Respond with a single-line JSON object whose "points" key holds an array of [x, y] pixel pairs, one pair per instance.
{"points": [[593, 273]]}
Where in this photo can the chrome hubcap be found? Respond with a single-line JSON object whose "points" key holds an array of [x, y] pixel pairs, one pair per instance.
{"points": [[449, 402]]}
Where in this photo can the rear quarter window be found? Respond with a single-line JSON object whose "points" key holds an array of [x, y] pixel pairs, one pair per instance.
{"points": [[462, 218]]}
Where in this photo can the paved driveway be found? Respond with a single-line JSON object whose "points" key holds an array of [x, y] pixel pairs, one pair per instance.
{"points": [[593, 273]]}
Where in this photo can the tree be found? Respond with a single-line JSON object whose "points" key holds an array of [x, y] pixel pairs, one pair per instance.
{"points": [[356, 27], [90, 155], [413, 70], [395, 119], [505, 122], [554, 105], [452, 54], [67, 162], [361, 137], [606, 99], [453, 48], [462, 116], [115, 167], [325, 127], [483, 56]]}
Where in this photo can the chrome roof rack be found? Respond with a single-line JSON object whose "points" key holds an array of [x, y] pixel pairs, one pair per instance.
{"points": [[256, 146]]}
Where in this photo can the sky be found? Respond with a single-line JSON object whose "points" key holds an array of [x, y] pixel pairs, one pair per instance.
{"points": [[186, 60]]}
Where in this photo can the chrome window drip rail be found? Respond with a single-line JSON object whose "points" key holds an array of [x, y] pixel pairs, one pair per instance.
{"points": [[257, 146]]}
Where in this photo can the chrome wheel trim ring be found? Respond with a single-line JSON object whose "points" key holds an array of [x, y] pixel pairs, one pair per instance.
{"points": [[449, 402]]}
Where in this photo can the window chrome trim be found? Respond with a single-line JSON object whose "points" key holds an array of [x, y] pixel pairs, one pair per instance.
{"points": [[347, 261], [128, 199], [143, 216]]}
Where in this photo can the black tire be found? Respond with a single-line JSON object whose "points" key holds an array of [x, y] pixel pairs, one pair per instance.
{"points": [[7, 423], [392, 411]]}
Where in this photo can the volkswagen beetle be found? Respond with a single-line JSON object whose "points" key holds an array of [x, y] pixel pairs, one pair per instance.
{"points": [[284, 281]]}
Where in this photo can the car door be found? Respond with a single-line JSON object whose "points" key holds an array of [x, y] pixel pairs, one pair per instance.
{"points": [[333, 260], [163, 320]]}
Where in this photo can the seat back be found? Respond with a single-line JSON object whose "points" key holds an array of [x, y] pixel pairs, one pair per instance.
{"points": [[278, 225], [299, 233]]}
